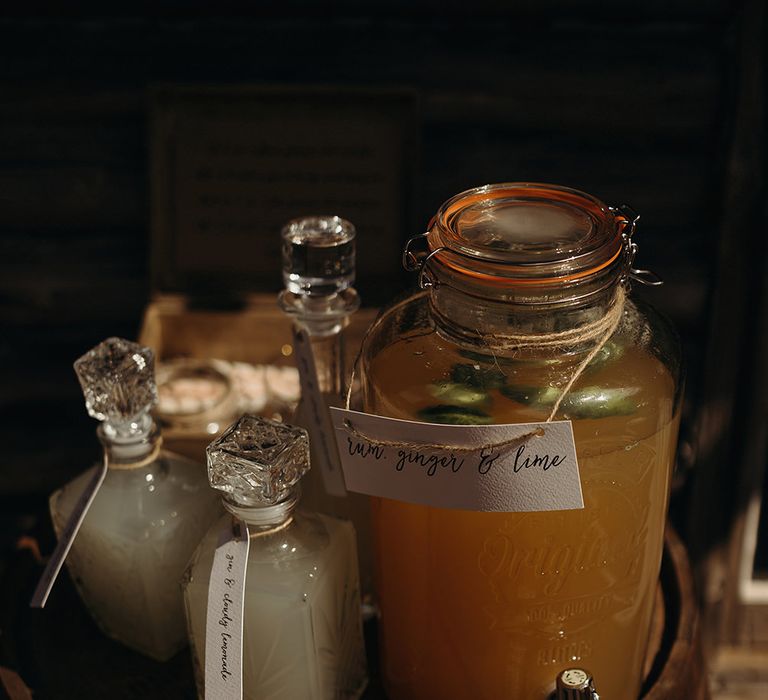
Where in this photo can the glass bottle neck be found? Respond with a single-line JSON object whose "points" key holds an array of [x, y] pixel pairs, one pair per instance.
{"points": [[260, 517], [137, 449], [328, 352], [324, 318]]}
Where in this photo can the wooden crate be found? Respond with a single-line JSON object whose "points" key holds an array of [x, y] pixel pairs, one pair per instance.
{"points": [[257, 333]]}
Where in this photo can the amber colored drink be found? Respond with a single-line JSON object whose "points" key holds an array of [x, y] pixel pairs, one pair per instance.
{"points": [[493, 605]]}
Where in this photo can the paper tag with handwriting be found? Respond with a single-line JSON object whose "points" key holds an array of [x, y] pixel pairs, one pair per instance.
{"points": [[67, 537], [224, 621], [324, 454], [508, 468]]}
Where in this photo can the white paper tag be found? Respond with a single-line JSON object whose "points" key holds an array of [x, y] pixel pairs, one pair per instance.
{"points": [[316, 413], [224, 620], [67, 537], [540, 472]]}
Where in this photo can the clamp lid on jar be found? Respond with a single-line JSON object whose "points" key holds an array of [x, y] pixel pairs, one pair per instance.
{"points": [[525, 236]]}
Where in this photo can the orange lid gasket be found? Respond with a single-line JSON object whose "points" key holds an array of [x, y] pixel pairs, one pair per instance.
{"points": [[519, 282], [603, 240]]}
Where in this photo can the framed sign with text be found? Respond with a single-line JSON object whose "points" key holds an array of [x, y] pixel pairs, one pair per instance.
{"points": [[230, 165]]}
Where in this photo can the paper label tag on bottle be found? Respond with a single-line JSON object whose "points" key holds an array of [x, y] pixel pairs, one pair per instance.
{"points": [[224, 619], [316, 413], [67, 537], [509, 468]]}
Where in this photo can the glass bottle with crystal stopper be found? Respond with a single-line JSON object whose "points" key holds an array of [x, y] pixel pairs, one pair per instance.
{"points": [[302, 632], [148, 515], [318, 273]]}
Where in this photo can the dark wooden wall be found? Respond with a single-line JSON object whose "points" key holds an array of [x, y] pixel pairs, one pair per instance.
{"points": [[632, 101]]}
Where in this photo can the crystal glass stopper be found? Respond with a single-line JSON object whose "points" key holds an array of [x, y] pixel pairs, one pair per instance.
{"points": [[318, 255], [257, 461], [118, 381]]}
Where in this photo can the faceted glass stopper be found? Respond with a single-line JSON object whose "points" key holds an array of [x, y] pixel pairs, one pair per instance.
{"points": [[318, 255], [118, 381], [258, 461]]}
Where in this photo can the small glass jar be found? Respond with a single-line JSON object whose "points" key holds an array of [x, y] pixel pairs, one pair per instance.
{"points": [[195, 396], [481, 604]]}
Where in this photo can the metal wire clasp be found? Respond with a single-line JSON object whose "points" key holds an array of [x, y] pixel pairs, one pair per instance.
{"points": [[417, 260], [631, 217]]}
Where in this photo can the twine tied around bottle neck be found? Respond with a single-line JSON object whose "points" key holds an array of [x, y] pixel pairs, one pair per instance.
{"points": [[599, 330], [267, 518], [150, 457]]}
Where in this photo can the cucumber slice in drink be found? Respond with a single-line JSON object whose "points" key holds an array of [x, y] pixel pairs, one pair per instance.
{"points": [[590, 402], [454, 415], [595, 402], [459, 394], [610, 352]]}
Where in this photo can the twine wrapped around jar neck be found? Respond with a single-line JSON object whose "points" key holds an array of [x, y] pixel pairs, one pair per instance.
{"points": [[606, 316], [600, 330]]}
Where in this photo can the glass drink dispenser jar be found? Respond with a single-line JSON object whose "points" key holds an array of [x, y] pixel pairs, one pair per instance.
{"points": [[524, 316]]}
